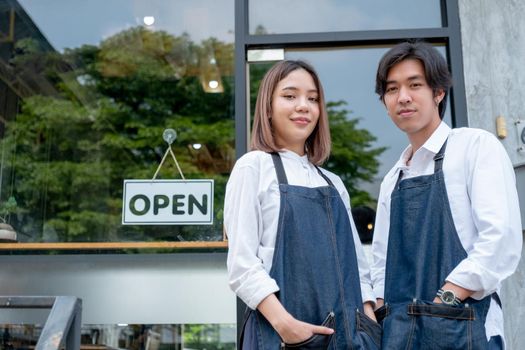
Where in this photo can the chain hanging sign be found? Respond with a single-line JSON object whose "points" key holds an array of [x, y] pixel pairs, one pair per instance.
{"points": [[168, 202]]}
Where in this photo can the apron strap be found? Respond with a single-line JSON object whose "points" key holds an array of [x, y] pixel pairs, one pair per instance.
{"points": [[279, 169], [438, 158], [324, 176], [398, 180], [497, 299]]}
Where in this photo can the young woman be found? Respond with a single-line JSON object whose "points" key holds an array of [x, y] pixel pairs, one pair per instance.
{"points": [[294, 253]]}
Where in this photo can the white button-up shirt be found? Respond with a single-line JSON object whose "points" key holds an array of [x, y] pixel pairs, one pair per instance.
{"points": [[481, 189], [251, 212]]}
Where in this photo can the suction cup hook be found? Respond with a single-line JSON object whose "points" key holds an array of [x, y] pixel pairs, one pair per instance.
{"points": [[169, 135]]}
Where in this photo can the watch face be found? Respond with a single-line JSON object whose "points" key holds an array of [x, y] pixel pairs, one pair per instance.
{"points": [[448, 297]]}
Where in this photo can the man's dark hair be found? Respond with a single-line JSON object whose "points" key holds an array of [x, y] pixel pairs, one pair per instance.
{"points": [[437, 74]]}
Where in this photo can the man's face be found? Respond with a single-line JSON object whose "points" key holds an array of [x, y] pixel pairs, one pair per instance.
{"points": [[410, 101]]}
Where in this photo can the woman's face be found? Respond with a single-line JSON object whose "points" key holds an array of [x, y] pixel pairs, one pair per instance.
{"points": [[295, 110]]}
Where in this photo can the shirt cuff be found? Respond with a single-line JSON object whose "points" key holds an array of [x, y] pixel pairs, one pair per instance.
{"points": [[253, 297], [379, 290], [475, 277], [367, 293]]}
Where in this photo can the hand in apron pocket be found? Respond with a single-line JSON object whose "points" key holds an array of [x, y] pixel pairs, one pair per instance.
{"points": [[316, 341]]}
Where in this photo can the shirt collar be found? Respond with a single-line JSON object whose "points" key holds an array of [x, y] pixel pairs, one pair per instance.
{"points": [[433, 145], [438, 138], [294, 156]]}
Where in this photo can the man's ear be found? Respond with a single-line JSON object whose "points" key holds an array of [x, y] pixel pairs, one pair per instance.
{"points": [[438, 96]]}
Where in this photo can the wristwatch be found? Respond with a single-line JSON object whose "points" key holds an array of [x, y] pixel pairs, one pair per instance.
{"points": [[448, 297]]}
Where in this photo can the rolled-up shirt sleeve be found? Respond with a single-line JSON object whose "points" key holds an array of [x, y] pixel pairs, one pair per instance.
{"points": [[495, 253], [247, 276]]}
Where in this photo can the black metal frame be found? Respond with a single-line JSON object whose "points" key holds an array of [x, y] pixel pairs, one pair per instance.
{"points": [[449, 34], [63, 323]]}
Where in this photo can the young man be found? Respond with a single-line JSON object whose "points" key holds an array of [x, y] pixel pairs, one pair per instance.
{"points": [[448, 228]]}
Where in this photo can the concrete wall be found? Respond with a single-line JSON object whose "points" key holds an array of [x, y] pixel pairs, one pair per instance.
{"points": [[493, 40]]}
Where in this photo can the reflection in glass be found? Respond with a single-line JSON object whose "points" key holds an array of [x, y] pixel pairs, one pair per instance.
{"points": [[133, 336], [86, 108], [308, 16]]}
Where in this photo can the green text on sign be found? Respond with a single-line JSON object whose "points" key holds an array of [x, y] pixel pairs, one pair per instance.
{"points": [[167, 202]]}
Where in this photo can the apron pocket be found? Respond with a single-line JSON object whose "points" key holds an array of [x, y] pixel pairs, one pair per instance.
{"points": [[441, 310], [369, 331], [316, 341], [438, 326]]}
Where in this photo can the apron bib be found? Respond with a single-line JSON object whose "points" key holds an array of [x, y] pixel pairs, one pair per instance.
{"points": [[423, 248], [315, 266]]}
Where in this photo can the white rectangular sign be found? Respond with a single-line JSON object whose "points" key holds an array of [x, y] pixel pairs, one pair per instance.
{"points": [[167, 202]]}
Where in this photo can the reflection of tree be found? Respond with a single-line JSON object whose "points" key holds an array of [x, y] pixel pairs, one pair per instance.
{"points": [[96, 117], [71, 150], [205, 336], [352, 157]]}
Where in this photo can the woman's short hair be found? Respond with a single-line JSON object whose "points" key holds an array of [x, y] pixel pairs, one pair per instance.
{"points": [[318, 144], [437, 74]]}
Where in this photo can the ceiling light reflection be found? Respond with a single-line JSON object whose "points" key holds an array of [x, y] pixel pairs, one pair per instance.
{"points": [[149, 20]]}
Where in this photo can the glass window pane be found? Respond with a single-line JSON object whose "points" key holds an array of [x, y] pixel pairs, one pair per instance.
{"points": [[308, 16], [132, 336], [88, 89]]}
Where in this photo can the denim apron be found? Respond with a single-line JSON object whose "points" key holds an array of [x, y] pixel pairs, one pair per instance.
{"points": [[315, 267], [423, 248]]}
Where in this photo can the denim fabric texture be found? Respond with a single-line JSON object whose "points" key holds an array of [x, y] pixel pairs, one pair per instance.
{"points": [[315, 266], [496, 343], [423, 248]]}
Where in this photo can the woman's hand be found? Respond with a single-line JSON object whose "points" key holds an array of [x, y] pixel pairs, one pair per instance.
{"points": [[289, 328], [293, 331], [369, 310]]}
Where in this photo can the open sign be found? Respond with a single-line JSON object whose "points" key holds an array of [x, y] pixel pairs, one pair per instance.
{"points": [[167, 202]]}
